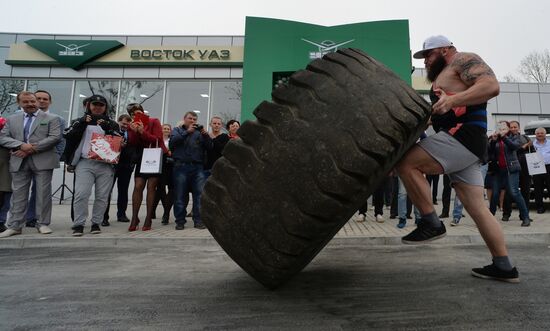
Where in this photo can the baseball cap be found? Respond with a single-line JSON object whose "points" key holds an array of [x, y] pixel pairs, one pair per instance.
{"points": [[432, 43], [97, 98]]}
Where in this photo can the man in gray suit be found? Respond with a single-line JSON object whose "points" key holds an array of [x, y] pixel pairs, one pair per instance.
{"points": [[31, 135]]}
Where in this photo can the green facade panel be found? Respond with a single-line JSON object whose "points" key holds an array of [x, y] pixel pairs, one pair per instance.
{"points": [[273, 47]]}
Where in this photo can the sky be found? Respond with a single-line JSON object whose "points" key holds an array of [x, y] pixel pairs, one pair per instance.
{"points": [[501, 32]]}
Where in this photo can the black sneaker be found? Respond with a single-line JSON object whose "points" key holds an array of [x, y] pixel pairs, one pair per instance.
{"points": [[199, 226], [123, 219], [95, 229], [424, 233], [105, 223], [493, 272], [505, 218], [31, 223], [444, 215], [180, 226], [78, 231], [2, 227], [165, 219], [526, 222]]}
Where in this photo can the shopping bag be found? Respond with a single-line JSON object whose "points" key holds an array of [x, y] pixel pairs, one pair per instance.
{"points": [[151, 161], [535, 164], [105, 148]]}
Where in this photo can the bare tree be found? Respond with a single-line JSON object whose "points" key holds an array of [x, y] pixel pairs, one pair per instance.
{"points": [[8, 91], [535, 67], [509, 78]]}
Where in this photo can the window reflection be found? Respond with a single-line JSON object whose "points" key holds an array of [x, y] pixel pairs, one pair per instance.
{"points": [[8, 95], [84, 89], [147, 93], [207, 98], [226, 100], [60, 91], [182, 97]]}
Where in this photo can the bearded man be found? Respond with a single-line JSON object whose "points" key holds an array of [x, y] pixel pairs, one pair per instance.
{"points": [[462, 83]]}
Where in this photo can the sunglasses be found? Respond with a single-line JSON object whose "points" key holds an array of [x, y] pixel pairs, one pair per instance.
{"points": [[133, 106]]}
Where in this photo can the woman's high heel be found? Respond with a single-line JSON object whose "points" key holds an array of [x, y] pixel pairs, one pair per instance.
{"points": [[133, 228]]}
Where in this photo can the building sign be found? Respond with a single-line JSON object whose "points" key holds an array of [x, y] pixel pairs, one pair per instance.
{"points": [[74, 53], [79, 53]]}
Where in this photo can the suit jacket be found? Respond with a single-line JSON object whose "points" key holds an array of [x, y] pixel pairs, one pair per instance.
{"points": [[45, 133]]}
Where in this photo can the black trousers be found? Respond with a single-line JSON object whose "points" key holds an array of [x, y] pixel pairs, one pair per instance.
{"points": [[433, 180], [541, 182], [446, 195], [377, 200], [122, 180]]}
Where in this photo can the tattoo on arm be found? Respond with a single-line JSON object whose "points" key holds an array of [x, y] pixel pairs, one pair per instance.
{"points": [[470, 67]]}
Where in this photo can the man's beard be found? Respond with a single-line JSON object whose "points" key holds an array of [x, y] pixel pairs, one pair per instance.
{"points": [[436, 68]]}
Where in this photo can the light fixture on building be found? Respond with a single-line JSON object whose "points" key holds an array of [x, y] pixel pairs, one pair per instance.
{"points": [[205, 95], [13, 94], [196, 111], [143, 95], [82, 96]]}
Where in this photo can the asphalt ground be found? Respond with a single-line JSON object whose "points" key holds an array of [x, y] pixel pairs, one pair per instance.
{"points": [[194, 285]]}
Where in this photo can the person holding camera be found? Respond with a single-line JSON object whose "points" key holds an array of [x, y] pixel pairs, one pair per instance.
{"points": [[502, 152], [188, 144], [89, 172], [145, 132]]}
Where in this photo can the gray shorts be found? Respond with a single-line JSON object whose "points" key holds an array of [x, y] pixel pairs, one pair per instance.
{"points": [[457, 161]]}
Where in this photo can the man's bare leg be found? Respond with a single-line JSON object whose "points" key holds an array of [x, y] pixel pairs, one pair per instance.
{"points": [[411, 169], [489, 228]]}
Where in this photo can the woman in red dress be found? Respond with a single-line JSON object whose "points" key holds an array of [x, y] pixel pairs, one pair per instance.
{"points": [[140, 136]]}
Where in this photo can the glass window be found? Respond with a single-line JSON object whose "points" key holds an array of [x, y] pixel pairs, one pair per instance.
{"points": [[8, 95], [60, 91], [182, 97], [86, 88], [226, 100], [148, 93]]}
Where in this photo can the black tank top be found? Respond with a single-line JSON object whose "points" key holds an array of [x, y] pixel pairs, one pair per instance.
{"points": [[467, 124]]}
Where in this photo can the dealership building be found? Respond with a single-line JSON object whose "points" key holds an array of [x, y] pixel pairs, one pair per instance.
{"points": [[170, 75]]}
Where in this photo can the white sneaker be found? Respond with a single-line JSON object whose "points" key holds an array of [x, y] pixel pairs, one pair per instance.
{"points": [[44, 229], [379, 218], [361, 218], [9, 233]]}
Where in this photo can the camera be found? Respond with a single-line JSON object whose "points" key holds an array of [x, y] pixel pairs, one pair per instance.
{"points": [[198, 127]]}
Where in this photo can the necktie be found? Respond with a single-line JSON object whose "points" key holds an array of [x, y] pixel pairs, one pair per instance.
{"points": [[27, 127]]}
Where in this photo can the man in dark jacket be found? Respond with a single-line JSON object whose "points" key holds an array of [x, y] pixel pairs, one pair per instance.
{"points": [[123, 173], [89, 172], [188, 144]]}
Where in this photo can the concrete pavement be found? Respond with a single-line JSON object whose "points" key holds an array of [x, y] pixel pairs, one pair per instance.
{"points": [[368, 232]]}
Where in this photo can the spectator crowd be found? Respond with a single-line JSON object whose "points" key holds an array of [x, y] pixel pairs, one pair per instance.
{"points": [[33, 141], [170, 163]]}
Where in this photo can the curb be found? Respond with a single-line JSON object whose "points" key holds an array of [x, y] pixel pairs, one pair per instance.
{"points": [[21, 243]]}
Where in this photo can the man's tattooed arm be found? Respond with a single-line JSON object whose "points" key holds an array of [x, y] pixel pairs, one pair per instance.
{"points": [[471, 67]]}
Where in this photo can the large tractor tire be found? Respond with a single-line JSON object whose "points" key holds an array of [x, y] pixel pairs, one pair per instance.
{"points": [[314, 155]]}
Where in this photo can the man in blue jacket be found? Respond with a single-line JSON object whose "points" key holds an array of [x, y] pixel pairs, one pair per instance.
{"points": [[189, 144]]}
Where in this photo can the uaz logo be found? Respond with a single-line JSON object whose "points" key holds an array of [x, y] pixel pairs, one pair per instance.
{"points": [[325, 47], [71, 50]]}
